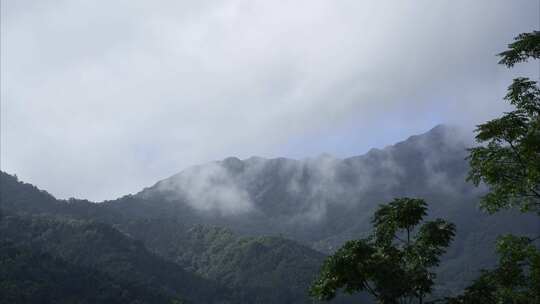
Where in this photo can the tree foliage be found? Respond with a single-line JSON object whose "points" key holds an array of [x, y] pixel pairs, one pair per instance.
{"points": [[525, 46], [509, 163], [516, 280], [394, 263]]}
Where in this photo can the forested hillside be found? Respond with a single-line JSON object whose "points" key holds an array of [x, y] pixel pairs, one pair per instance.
{"points": [[33, 276], [163, 260], [254, 267], [103, 249]]}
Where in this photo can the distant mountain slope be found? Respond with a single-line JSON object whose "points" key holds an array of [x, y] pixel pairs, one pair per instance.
{"points": [[101, 248], [259, 269], [18, 197], [32, 276], [312, 199]]}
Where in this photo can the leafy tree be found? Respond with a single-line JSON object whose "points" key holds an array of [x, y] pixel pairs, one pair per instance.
{"points": [[509, 163], [516, 280], [394, 263], [525, 46]]}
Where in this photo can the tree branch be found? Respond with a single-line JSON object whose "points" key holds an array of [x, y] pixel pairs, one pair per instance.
{"points": [[521, 163]]}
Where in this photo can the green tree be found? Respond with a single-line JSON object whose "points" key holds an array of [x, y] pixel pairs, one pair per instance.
{"points": [[516, 279], [394, 263], [508, 162]]}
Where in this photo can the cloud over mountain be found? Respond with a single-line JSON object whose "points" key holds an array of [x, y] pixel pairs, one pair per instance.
{"points": [[122, 93]]}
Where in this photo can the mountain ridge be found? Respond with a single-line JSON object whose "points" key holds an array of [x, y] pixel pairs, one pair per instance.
{"points": [[438, 129]]}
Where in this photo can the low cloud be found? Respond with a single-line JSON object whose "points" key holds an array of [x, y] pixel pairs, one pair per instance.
{"points": [[208, 188], [306, 192]]}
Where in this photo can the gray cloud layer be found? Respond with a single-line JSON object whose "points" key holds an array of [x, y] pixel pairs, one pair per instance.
{"points": [[101, 98]]}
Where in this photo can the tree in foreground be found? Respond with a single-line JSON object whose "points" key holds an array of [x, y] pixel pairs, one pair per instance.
{"points": [[394, 263], [516, 280], [508, 162]]}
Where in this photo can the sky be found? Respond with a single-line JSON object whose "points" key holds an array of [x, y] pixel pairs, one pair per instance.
{"points": [[99, 99]]}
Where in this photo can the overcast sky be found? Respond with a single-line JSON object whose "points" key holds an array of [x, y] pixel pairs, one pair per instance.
{"points": [[102, 98]]}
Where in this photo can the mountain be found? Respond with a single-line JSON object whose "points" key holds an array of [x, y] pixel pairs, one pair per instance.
{"points": [[257, 226], [166, 258], [313, 199], [323, 202]]}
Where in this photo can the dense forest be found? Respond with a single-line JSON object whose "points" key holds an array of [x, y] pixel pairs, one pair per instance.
{"points": [[188, 263]]}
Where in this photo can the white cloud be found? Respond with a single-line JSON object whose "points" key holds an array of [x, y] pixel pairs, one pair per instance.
{"points": [[209, 188]]}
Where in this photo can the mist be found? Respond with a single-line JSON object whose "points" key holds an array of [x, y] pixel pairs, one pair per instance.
{"points": [[305, 192]]}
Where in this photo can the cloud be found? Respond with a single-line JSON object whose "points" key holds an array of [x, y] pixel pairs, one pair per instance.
{"points": [[209, 188], [304, 192], [100, 99]]}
